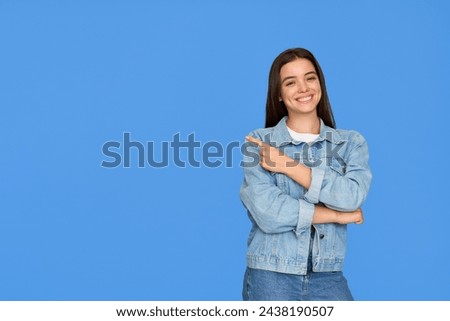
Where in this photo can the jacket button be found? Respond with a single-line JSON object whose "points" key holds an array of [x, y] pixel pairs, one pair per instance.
{"points": [[321, 236]]}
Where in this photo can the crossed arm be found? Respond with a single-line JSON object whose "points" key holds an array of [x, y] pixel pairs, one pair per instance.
{"points": [[273, 160]]}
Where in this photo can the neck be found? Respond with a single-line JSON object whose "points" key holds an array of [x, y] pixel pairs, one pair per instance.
{"points": [[304, 123]]}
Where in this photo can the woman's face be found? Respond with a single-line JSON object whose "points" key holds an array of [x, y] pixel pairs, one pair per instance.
{"points": [[300, 87]]}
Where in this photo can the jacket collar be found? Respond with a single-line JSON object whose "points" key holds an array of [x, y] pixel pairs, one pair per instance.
{"points": [[281, 136]]}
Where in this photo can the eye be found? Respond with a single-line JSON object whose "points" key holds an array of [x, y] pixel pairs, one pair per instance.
{"points": [[289, 83], [311, 78]]}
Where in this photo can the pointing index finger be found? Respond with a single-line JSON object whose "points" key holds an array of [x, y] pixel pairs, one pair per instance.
{"points": [[254, 140]]}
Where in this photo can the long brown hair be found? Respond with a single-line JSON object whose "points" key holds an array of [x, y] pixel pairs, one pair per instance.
{"points": [[275, 109]]}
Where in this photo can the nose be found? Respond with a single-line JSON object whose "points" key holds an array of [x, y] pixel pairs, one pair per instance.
{"points": [[302, 87]]}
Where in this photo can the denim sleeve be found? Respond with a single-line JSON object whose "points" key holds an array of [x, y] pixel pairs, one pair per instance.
{"points": [[273, 210], [343, 191]]}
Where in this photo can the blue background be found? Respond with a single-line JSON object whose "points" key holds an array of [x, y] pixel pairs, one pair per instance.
{"points": [[76, 74]]}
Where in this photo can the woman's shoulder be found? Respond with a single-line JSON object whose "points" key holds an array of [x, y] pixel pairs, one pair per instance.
{"points": [[351, 135]]}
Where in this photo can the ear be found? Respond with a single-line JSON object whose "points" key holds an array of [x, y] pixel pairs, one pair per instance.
{"points": [[279, 99]]}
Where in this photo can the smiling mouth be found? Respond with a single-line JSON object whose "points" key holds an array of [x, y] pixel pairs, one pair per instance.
{"points": [[305, 99]]}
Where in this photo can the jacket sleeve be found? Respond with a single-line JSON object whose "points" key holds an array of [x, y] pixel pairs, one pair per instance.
{"points": [[343, 190], [272, 209]]}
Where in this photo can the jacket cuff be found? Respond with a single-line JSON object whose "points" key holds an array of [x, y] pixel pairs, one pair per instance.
{"points": [[312, 195], [305, 217]]}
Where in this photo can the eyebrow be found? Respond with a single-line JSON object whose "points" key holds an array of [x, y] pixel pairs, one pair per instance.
{"points": [[290, 77], [311, 72]]}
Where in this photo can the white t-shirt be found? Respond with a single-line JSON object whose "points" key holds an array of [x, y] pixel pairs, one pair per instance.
{"points": [[302, 137]]}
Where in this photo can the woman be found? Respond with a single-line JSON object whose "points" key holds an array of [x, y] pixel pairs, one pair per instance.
{"points": [[304, 181]]}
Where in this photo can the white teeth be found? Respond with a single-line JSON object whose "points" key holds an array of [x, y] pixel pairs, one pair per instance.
{"points": [[305, 99]]}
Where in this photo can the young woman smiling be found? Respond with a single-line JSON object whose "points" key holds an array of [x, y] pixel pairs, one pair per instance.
{"points": [[304, 181]]}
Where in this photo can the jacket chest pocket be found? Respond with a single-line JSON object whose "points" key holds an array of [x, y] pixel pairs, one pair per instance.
{"points": [[338, 165], [324, 157]]}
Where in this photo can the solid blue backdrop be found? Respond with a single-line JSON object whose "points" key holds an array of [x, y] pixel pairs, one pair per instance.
{"points": [[74, 75]]}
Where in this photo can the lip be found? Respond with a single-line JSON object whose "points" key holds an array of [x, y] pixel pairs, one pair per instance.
{"points": [[305, 99]]}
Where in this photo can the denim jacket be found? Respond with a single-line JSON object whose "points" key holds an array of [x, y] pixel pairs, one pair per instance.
{"points": [[281, 210]]}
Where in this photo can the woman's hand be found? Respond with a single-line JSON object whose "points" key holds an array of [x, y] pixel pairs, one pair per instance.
{"points": [[274, 160], [356, 217], [271, 158]]}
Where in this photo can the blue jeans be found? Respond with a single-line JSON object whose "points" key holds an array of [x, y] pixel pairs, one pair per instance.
{"points": [[262, 285]]}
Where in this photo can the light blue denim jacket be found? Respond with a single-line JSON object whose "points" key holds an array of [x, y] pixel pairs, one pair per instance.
{"points": [[281, 210]]}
